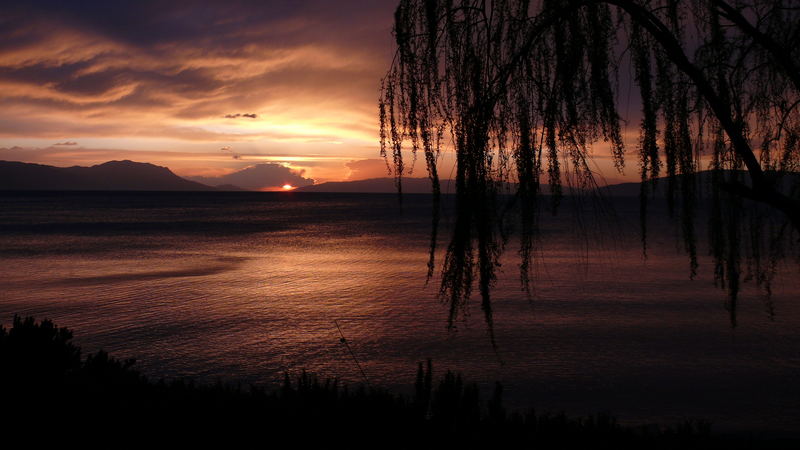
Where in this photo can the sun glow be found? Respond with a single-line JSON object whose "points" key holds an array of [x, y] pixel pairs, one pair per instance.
{"points": [[287, 187]]}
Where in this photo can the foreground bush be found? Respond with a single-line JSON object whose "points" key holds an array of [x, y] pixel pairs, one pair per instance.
{"points": [[46, 384]]}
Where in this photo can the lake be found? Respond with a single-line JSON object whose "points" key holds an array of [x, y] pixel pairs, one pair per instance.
{"points": [[247, 286]]}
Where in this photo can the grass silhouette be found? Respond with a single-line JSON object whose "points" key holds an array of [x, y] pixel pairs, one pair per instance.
{"points": [[46, 384]]}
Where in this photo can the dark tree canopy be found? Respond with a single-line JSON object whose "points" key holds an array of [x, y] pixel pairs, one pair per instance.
{"points": [[523, 90]]}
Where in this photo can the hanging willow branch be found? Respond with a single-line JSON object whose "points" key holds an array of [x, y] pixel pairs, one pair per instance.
{"points": [[535, 85]]}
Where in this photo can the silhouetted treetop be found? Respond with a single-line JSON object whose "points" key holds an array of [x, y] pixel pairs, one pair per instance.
{"points": [[522, 91]]}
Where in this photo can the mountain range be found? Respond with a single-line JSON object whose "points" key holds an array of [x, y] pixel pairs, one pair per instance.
{"points": [[257, 177], [379, 185], [135, 176], [112, 175]]}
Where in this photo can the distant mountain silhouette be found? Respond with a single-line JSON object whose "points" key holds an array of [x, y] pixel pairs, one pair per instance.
{"points": [[110, 176], [134, 176], [257, 177], [228, 187], [659, 187], [423, 186], [410, 186], [379, 186], [388, 186]]}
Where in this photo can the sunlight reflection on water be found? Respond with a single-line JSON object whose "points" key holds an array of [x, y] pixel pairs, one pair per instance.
{"points": [[246, 287]]}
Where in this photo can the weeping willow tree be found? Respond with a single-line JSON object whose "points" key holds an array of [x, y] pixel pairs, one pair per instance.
{"points": [[523, 91]]}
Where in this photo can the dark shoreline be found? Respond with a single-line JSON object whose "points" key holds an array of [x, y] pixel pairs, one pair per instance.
{"points": [[43, 369]]}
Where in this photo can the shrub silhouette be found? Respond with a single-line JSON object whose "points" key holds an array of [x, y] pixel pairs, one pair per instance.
{"points": [[46, 385], [38, 353]]}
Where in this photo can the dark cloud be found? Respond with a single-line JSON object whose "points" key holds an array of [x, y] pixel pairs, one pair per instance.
{"points": [[216, 28], [184, 48], [66, 143], [237, 115], [229, 150], [40, 73], [149, 23], [260, 176]]}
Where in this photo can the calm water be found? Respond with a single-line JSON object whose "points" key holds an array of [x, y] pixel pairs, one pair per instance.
{"points": [[246, 286]]}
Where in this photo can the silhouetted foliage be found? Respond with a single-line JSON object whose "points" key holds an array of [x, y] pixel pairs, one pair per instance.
{"points": [[38, 353], [521, 90], [107, 397]]}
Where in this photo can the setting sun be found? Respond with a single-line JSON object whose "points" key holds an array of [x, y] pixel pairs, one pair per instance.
{"points": [[287, 187]]}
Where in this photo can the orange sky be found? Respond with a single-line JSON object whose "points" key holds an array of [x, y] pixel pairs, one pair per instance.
{"points": [[204, 88]]}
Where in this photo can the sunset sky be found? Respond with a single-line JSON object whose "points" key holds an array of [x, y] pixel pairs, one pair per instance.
{"points": [[204, 88]]}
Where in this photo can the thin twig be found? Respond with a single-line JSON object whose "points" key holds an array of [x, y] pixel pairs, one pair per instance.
{"points": [[343, 340]]}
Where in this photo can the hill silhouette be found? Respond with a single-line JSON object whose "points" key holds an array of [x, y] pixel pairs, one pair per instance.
{"points": [[378, 186], [136, 176], [110, 176], [659, 188], [257, 177]]}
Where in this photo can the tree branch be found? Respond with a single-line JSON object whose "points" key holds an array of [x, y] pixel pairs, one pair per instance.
{"points": [[780, 55]]}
